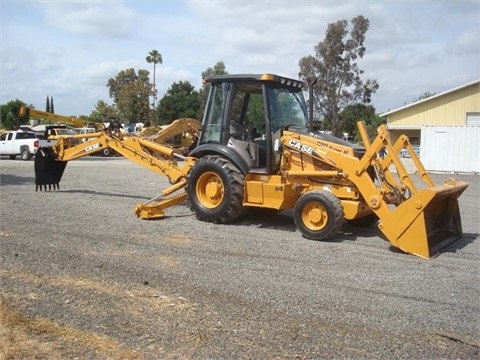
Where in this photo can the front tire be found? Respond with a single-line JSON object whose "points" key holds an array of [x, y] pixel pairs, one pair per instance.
{"points": [[215, 190], [318, 215]]}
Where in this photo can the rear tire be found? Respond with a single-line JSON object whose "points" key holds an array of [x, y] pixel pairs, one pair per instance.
{"points": [[318, 215], [25, 154], [215, 190]]}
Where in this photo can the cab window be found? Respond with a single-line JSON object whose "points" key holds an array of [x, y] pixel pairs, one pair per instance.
{"points": [[211, 131]]}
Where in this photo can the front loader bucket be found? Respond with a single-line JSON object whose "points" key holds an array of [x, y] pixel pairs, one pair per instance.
{"points": [[427, 222], [48, 171]]}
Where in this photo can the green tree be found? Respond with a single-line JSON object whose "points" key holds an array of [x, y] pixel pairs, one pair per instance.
{"points": [[47, 105], [356, 112], [334, 71], [130, 92], [181, 100], [154, 57], [103, 112], [217, 69], [52, 109], [9, 118]]}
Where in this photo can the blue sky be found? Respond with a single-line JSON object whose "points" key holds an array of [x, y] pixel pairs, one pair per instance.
{"points": [[69, 49]]}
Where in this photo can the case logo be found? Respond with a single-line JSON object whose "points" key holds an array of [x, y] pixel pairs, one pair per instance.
{"points": [[92, 147], [302, 147]]}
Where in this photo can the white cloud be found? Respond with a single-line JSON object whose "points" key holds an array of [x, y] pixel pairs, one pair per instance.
{"points": [[109, 19], [69, 49], [467, 43]]}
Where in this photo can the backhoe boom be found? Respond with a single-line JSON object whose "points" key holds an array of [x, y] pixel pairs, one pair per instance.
{"points": [[50, 164]]}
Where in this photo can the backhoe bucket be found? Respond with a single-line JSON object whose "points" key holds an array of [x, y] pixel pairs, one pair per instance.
{"points": [[427, 222], [48, 171]]}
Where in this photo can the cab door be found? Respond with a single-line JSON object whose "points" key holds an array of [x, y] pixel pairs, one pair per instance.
{"points": [[6, 143]]}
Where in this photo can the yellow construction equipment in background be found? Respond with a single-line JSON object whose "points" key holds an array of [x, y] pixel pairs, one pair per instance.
{"points": [[255, 151], [181, 134], [56, 118]]}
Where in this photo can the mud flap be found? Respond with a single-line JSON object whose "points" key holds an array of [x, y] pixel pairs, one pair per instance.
{"points": [[48, 171], [427, 222]]}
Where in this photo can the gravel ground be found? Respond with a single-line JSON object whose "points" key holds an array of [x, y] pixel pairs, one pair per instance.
{"points": [[82, 277]]}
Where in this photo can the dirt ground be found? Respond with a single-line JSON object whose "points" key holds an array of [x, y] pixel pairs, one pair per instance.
{"points": [[82, 278]]}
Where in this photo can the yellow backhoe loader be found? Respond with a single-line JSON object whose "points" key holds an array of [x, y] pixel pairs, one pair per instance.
{"points": [[181, 134], [255, 151], [31, 112]]}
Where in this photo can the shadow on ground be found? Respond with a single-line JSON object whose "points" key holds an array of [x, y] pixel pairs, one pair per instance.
{"points": [[7, 179]]}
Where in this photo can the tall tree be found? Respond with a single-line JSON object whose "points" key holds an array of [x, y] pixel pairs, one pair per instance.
{"points": [[52, 109], [217, 69], [181, 100], [130, 92], [154, 57], [334, 72], [47, 105]]}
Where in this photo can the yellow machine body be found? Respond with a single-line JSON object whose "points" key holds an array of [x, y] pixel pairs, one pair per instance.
{"points": [[324, 180]]}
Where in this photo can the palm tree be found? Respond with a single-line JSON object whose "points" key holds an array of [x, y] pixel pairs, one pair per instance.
{"points": [[156, 58]]}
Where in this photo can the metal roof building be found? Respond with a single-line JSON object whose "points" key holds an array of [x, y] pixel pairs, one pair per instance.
{"points": [[446, 126]]}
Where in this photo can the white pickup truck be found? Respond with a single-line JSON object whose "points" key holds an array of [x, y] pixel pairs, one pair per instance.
{"points": [[23, 143]]}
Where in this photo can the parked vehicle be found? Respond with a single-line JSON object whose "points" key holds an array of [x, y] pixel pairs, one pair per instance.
{"points": [[49, 134], [23, 143]]}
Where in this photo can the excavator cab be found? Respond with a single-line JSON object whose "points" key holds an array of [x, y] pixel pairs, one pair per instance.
{"points": [[245, 116]]}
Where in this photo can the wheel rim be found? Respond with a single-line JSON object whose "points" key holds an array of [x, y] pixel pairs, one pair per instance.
{"points": [[314, 216], [210, 190]]}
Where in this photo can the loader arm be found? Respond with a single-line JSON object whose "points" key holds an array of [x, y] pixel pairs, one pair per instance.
{"points": [[50, 163]]}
